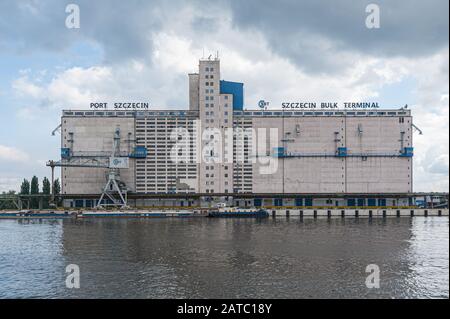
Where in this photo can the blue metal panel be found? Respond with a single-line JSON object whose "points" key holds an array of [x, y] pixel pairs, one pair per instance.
{"points": [[342, 151], [299, 201], [361, 202], [408, 152], [278, 202], [79, 203], [278, 152], [65, 152], [258, 202], [139, 152], [351, 202], [382, 202], [237, 90], [372, 202], [308, 202]]}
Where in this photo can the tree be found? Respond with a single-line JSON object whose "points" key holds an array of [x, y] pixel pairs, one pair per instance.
{"points": [[34, 190], [46, 191], [57, 190], [25, 187]]}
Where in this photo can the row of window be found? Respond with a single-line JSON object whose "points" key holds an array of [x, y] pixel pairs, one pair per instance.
{"points": [[212, 167]]}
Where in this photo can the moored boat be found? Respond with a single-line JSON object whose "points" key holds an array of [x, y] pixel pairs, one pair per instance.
{"points": [[239, 213]]}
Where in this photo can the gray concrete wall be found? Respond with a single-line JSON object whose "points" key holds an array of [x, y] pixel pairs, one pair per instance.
{"points": [[93, 135], [322, 135], [193, 91]]}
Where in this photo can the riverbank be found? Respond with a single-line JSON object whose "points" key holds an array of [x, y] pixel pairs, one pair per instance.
{"points": [[148, 213]]}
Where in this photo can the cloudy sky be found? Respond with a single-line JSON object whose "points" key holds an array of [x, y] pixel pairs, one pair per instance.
{"points": [[286, 50]]}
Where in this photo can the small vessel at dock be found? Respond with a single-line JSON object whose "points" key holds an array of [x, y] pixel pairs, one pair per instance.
{"points": [[138, 214], [233, 212], [35, 214]]}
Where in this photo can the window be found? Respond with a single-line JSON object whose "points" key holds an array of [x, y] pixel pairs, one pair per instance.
{"points": [[211, 69], [206, 76], [206, 69], [226, 97]]}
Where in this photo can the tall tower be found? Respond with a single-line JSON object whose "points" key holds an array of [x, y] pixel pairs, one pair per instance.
{"points": [[216, 118]]}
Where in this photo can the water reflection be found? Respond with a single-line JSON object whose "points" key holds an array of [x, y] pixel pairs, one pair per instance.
{"points": [[225, 258]]}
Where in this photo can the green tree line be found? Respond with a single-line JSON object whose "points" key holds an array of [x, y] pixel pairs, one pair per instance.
{"points": [[31, 188]]}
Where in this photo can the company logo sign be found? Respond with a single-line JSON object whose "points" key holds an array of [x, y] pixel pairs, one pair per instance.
{"points": [[262, 104]]}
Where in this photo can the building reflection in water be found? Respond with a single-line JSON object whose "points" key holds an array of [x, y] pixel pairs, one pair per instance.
{"points": [[241, 258]]}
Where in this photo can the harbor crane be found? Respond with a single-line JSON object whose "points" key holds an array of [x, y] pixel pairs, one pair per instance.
{"points": [[114, 193]]}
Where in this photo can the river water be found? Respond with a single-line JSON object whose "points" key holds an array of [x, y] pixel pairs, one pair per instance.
{"points": [[225, 258]]}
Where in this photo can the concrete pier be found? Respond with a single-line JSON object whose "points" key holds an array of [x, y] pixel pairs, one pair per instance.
{"points": [[277, 213], [358, 213]]}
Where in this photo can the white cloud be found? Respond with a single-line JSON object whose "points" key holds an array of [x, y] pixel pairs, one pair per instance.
{"points": [[9, 183], [12, 154], [159, 77], [25, 87]]}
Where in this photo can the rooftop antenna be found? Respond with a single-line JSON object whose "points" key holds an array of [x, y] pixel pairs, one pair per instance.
{"points": [[209, 58], [217, 55]]}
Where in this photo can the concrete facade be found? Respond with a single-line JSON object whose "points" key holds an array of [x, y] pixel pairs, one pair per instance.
{"points": [[373, 143], [93, 136]]}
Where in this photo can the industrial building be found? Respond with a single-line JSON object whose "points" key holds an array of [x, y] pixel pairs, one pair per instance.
{"points": [[216, 148]]}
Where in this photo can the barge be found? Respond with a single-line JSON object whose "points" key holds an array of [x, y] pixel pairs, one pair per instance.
{"points": [[137, 214], [238, 213]]}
